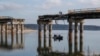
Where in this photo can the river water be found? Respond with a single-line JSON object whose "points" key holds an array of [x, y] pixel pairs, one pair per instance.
{"points": [[91, 40]]}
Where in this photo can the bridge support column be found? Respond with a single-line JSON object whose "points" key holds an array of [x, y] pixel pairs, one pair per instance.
{"points": [[39, 38], [70, 37], [75, 38], [12, 34], [50, 28], [6, 38], [45, 29], [1, 34], [39, 49], [22, 28], [17, 27], [81, 37], [47, 48]]}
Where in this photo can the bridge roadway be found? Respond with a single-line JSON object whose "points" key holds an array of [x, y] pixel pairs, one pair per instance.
{"points": [[81, 14]]}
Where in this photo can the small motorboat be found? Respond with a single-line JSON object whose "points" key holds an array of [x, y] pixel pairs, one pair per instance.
{"points": [[57, 37]]}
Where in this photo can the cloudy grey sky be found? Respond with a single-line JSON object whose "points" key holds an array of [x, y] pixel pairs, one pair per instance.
{"points": [[30, 9]]}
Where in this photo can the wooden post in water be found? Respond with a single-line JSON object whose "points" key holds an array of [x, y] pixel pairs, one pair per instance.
{"points": [[75, 37], [70, 37], [81, 37]]}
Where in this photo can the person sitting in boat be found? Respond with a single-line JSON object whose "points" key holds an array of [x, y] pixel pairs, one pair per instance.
{"points": [[60, 37], [55, 36]]}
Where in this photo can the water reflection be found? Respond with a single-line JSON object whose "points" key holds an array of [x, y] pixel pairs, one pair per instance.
{"points": [[31, 43], [47, 50]]}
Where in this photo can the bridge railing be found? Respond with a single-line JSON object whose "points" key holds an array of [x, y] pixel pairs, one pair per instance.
{"points": [[84, 10]]}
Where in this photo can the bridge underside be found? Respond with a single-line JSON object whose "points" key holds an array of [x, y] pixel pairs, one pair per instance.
{"points": [[87, 15]]}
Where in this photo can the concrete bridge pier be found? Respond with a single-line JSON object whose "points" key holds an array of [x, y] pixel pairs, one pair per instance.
{"points": [[81, 37], [70, 37], [6, 38], [70, 41], [2, 34], [45, 37], [39, 38], [17, 39], [50, 35], [11, 25], [80, 44], [75, 37], [22, 28], [42, 24], [12, 34], [40, 34], [39, 49]]}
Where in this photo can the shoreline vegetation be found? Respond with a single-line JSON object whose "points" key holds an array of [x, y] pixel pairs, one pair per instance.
{"points": [[64, 27], [27, 30]]}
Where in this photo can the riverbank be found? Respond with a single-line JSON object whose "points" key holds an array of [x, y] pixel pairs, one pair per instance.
{"points": [[25, 30], [28, 30]]}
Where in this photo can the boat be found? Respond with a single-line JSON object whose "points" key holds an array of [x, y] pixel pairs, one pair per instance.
{"points": [[57, 37]]}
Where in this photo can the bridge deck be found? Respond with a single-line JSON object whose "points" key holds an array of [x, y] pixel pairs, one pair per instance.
{"points": [[75, 14], [84, 10]]}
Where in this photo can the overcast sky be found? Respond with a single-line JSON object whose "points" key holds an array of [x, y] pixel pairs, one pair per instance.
{"points": [[31, 9]]}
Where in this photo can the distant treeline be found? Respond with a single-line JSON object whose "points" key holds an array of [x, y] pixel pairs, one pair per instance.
{"points": [[62, 27]]}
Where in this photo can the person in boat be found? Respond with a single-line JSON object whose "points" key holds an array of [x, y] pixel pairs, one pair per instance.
{"points": [[60, 37], [57, 37]]}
